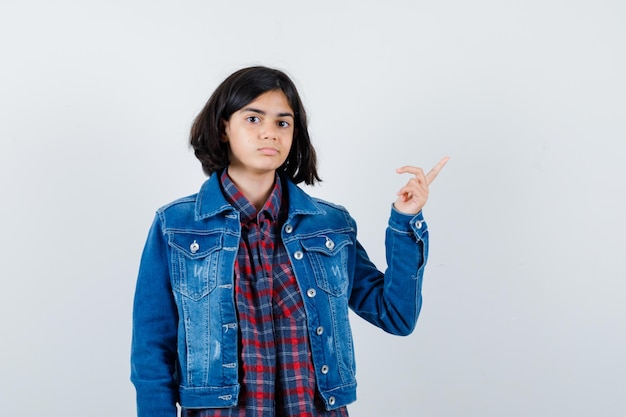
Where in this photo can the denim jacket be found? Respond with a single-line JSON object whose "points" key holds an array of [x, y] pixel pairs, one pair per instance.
{"points": [[185, 336]]}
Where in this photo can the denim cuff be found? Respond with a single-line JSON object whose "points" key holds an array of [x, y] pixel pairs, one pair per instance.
{"points": [[413, 224]]}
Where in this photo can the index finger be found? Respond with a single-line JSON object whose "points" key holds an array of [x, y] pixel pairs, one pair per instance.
{"points": [[432, 174]]}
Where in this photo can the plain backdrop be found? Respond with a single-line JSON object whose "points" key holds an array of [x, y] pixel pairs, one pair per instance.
{"points": [[524, 311]]}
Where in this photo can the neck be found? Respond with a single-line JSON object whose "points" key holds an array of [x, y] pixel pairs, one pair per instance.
{"points": [[256, 188]]}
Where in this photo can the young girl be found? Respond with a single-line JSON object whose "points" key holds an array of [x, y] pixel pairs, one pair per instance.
{"points": [[241, 305]]}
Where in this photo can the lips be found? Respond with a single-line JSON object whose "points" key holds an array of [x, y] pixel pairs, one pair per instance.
{"points": [[268, 151]]}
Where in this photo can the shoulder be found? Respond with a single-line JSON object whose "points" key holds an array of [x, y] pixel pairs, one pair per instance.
{"points": [[336, 213], [330, 207], [183, 203], [177, 214], [326, 216]]}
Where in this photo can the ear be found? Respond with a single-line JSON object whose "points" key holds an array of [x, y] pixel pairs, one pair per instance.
{"points": [[224, 137]]}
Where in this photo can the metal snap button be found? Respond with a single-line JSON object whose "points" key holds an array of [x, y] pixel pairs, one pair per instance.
{"points": [[194, 247], [330, 244], [319, 330], [311, 292], [298, 255], [331, 401], [325, 369], [418, 224], [288, 228]]}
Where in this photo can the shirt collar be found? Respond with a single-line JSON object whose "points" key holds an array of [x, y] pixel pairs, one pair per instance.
{"points": [[246, 209]]}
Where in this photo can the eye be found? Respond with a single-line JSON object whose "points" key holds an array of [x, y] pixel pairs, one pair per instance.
{"points": [[253, 119], [283, 123]]}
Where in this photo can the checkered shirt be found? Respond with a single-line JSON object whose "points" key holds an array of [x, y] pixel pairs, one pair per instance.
{"points": [[275, 365]]}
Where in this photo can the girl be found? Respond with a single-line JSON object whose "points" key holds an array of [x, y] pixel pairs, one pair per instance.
{"points": [[241, 305]]}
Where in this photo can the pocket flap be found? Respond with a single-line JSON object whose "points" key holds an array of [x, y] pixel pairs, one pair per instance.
{"points": [[194, 245], [328, 244]]}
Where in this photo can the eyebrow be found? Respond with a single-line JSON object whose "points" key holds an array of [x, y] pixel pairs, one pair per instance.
{"points": [[261, 112]]}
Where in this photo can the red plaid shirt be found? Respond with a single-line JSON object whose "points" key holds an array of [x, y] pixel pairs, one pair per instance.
{"points": [[276, 370]]}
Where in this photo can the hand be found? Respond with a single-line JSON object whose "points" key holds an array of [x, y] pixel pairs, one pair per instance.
{"points": [[413, 196]]}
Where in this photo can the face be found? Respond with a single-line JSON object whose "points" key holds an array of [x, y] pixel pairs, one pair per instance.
{"points": [[260, 135]]}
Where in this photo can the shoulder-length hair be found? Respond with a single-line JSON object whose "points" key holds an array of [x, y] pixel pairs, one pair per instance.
{"points": [[239, 89]]}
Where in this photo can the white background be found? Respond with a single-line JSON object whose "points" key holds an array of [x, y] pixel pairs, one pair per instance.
{"points": [[524, 311]]}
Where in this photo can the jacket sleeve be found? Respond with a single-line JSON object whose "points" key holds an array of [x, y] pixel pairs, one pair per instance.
{"points": [[154, 338], [392, 300]]}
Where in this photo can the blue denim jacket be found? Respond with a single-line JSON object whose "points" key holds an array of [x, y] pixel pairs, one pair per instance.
{"points": [[185, 337]]}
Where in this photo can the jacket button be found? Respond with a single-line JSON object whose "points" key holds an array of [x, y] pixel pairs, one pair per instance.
{"points": [[194, 247], [319, 330], [331, 401], [325, 369], [329, 244], [288, 228], [311, 292], [298, 255], [418, 224]]}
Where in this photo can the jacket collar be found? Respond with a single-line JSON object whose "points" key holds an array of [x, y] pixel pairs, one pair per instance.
{"points": [[300, 203], [211, 201]]}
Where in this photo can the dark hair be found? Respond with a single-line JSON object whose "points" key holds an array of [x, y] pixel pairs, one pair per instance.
{"points": [[239, 89]]}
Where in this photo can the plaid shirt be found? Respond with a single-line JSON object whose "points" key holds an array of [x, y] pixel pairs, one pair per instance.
{"points": [[276, 370]]}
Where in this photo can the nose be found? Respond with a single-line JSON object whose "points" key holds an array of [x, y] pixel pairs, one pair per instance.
{"points": [[269, 131]]}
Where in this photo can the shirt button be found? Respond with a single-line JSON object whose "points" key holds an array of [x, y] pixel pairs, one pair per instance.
{"points": [[325, 369], [331, 401], [319, 330], [288, 228], [330, 244], [298, 255], [311, 292]]}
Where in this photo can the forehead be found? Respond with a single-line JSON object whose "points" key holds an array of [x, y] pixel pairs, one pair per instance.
{"points": [[274, 101]]}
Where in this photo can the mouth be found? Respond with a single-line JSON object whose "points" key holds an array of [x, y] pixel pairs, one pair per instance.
{"points": [[268, 151]]}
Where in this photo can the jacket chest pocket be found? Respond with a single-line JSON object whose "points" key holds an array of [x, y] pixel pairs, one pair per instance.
{"points": [[328, 255], [194, 263]]}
